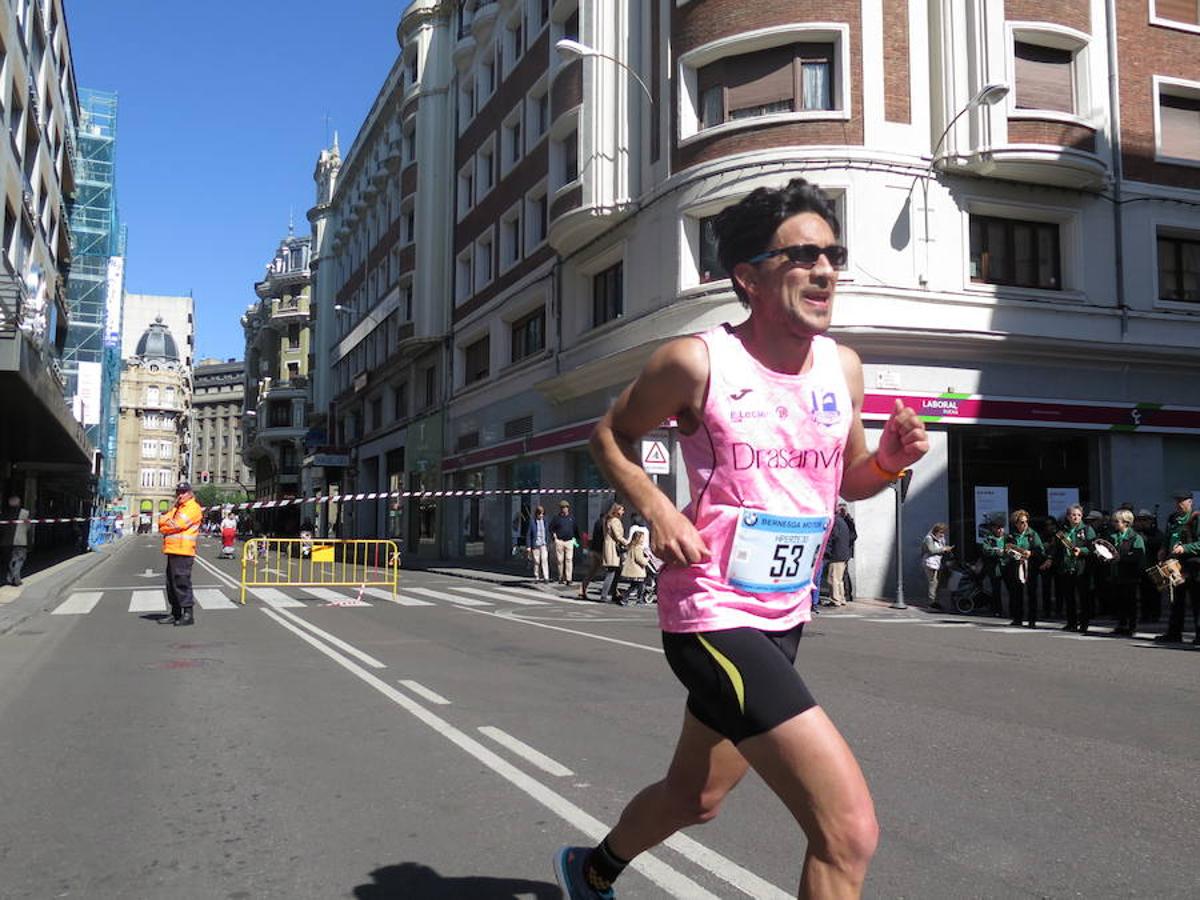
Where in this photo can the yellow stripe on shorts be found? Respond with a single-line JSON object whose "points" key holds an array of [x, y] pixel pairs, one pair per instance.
{"points": [[731, 670]]}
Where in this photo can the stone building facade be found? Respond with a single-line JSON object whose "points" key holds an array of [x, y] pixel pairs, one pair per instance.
{"points": [[218, 395]]}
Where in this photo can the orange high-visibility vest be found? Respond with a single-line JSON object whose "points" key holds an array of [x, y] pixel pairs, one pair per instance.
{"points": [[181, 528]]}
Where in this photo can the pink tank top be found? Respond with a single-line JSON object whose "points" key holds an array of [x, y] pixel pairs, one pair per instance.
{"points": [[764, 468]]}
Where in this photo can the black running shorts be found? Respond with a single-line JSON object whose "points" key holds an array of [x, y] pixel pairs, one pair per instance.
{"points": [[741, 682]]}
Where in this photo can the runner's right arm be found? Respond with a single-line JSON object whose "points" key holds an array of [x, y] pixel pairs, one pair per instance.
{"points": [[673, 383]]}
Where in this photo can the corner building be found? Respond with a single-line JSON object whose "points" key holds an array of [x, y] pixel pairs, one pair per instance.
{"points": [[1024, 272], [277, 391]]}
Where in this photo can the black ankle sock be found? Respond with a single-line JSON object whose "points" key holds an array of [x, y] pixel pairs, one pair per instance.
{"points": [[603, 867]]}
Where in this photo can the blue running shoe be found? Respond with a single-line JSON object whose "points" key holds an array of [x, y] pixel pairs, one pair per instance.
{"points": [[568, 869]]}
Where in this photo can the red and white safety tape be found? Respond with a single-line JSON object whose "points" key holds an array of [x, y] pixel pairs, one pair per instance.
{"points": [[342, 498]]}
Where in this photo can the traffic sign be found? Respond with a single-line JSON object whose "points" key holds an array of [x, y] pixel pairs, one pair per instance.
{"points": [[655, 458]]}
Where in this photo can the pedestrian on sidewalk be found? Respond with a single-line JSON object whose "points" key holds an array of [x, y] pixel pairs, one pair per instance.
{"points": [[934, 551], [615, 544], [564, 531], [180, 527], [633, 568], [595, 555], [837, 554], [14, 540], [991, 548], [843, 510], [539, 547]]}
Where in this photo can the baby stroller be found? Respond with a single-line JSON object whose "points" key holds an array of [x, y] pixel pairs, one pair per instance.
{"points": [[967, 591]]}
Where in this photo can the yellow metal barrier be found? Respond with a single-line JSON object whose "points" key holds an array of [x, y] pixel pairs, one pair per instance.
{"points": [[317, 562]]}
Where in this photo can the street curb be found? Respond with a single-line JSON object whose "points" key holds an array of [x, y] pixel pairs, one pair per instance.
{"points": [[29, 602]]}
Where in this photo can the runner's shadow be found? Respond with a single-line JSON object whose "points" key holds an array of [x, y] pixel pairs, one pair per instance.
{"points": [[155, 617], [413, 881]]}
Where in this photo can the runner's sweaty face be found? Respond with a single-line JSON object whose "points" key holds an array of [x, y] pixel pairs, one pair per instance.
{"points": [[799, 300]]}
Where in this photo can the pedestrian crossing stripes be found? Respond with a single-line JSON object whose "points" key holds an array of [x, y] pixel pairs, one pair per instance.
{"points": [[154, 600]]}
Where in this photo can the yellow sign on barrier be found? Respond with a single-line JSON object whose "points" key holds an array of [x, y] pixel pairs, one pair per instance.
{"points": [[303, 562]]}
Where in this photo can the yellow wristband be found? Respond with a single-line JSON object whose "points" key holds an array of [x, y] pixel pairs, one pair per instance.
{"points": [[887, 476]]}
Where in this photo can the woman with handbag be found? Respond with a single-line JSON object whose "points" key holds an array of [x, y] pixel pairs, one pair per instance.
{"points": [[615, 543]]}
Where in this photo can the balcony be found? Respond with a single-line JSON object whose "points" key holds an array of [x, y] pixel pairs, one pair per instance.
{"points": [[288, 310], [484, 18]]}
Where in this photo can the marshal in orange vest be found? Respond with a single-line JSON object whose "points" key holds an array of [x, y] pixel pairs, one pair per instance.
{"points": [[180, 526]]}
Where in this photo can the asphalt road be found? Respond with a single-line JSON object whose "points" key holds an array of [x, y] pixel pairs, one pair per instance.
{"points": [[446, 749]]}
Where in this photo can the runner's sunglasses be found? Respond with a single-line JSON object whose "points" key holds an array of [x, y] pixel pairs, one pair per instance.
{"points": [[806, 255]]}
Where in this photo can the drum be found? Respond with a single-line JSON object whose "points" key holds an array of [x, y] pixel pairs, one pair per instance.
{"points": [[1106, 551], [1168, 574]]}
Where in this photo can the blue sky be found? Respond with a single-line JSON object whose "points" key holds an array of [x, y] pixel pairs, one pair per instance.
{"points": [[221, 116]]}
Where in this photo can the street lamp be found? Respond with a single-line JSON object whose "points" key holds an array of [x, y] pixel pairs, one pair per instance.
{"points": [[568, 47], [988, 95]]}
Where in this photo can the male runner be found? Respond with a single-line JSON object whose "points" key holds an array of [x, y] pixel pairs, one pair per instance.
{"points": [[769, 418]]}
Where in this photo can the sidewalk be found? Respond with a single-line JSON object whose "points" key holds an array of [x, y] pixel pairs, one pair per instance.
{"points": [[19, 603]]}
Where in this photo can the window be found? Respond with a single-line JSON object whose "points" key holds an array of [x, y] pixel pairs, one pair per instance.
{"points": [[514, 44], [511, 148], [570, 158], [571, 26], [538, 218], [377, 412], [1179, 268], [152, 395], [483, 261], [1179, 126], [1185, 11], [166, 450], [541, 115], [147, 478], [464, 275], [149, 449], [169, 397], [430, 386], [164, 478], [607, 294], [510, 238], [466, 188], [293, 336], [792, 78], [487, 168], [543, 11], [466, 105], [414, 64], [487, 77], [1013, 252], [410, 141], [476, 359], [401, 400], [529, 335], [406, 301], [1044, 77], [710, 264]]}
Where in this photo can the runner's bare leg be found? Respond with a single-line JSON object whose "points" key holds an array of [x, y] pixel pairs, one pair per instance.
{"points": [[704, 770], [809, 765]]}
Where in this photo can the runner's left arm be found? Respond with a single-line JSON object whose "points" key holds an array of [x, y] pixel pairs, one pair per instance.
{"points": [[902, 443]]}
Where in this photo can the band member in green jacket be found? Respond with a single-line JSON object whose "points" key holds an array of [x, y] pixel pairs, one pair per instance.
{"points": [[1023, 548], [991, 548], [1072, 548], [1183, 543], [1125, 571]]}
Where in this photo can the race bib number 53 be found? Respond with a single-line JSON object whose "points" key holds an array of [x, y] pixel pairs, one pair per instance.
{"points": [[775, 554]]}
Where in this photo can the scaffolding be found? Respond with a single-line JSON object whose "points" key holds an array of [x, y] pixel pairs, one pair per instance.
{"points": [[92, 353]]}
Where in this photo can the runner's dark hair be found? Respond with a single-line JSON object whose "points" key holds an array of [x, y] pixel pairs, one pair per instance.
{"points": [[745, 229]]}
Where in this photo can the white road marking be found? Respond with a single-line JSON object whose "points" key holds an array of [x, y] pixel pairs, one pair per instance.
{"points": [[421, 691], [888, 620], [725, 869], [827, 615], [950, 625], [445, 595], [334, 597], [526, 592], [335, 641], [213, 598], [535, 757], [78, 604], [1017, 629], [666, 877], [274, 598], [500, 593], [586, 634], [147, 602], [384, 594]]}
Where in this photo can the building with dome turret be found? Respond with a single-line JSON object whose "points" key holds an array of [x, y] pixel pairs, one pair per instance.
{"points": [[152, 431]]}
